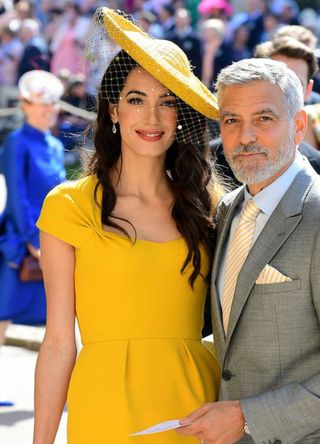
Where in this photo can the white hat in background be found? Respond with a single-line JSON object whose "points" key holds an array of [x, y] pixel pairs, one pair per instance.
{"points": [[40, 87]]}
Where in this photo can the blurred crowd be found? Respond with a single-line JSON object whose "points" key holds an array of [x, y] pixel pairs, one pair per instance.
{"points": [[51, 35]]}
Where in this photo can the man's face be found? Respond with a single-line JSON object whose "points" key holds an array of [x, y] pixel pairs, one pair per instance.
{"points": [[258, 137], [300, 68]]}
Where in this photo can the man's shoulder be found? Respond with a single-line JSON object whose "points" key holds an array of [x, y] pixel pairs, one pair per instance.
{"points": [[303, 195], [314, 194], [311, 154], [226, 202]]}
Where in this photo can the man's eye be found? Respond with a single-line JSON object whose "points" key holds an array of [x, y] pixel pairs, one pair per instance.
{"points": [[230, 121], [265, 118], [135, 101]]}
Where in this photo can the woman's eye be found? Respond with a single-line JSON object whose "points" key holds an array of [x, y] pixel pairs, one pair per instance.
{"points": [[169, 103], [135, 101]]}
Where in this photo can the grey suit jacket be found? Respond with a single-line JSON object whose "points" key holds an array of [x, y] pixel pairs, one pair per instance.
{"points": [[270, 358]]}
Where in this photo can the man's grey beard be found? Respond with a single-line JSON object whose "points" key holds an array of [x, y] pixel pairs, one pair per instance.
{"points": [[253, 171]]}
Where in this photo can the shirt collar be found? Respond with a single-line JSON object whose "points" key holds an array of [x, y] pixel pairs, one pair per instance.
{"points": [[268, 198], [35, 131]]}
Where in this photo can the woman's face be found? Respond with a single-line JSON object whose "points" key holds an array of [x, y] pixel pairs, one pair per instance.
{"points": [[42, 117], [146, 114]]}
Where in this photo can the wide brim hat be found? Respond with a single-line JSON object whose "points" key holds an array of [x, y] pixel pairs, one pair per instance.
{"points": [[40, 87], [163, 59], [205, 7]]}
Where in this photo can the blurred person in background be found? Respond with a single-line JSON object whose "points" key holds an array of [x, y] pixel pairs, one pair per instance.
{"points": [[302, 61], [24, 9], [53, 17], [213, 34], [192, 7], [271, 26], [76, 91], [33, 163], [71, 127], [303, 35], [298, 57], [184, 36], [166, 16], [287, 10], [308, 38], [16, 11], [298, 32], [35, 52], [49, 6], [238, 49], [218, 9], [149, 23], [150, 5], [252, 18], [67, 43], [64, 75], [309, 19], [87, 7], [10, 52]]}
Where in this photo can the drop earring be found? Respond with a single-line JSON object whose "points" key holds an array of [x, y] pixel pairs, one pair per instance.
{"points": [[114, 128]]}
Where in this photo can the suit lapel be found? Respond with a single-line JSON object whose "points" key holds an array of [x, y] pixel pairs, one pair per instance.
{"points": [[225, 218], [279, 227]]}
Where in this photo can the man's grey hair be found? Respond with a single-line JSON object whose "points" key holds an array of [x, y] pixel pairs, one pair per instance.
{"points": [[277, 73]]}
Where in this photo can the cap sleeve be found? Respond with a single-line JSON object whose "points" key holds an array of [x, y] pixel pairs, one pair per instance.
{"points": [[62, 217]]}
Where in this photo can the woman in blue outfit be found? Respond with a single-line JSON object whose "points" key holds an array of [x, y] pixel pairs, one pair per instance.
{"points": [[33, 163]]}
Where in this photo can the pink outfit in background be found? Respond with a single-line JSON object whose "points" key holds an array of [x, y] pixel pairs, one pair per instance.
{"points": [[67, 46], [69, 54]]}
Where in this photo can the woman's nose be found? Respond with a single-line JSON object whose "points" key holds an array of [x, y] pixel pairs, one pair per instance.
{"points": [[153, 115]]}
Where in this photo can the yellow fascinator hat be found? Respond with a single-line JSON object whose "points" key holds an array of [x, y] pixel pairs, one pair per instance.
{"points": [[163, 59]]}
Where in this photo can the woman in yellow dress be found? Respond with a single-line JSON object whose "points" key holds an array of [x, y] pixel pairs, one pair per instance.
{"points": [[127, 250]]}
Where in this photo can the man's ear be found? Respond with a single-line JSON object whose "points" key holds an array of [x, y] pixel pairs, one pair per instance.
{"points": [[113, 112], [301, 123]]}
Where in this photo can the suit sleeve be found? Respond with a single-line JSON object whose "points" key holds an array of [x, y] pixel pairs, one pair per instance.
{"points": [[14, 165], [291, 412]]}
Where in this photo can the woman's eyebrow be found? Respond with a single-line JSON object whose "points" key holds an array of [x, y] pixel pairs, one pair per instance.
{"points": [[167, 94], [141, 93], [135, 91]]}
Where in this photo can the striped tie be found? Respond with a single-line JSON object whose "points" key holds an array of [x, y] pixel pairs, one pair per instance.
{"points": [[237, 253]]}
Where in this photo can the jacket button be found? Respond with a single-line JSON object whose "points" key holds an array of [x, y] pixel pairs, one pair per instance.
{"points": [[226, 376]]}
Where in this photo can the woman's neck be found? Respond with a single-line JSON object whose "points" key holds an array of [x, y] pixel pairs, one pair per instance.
{"points": [[146, 178]]}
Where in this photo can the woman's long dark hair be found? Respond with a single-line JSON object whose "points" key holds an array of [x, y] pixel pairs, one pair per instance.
{"points": [[189, 168]]}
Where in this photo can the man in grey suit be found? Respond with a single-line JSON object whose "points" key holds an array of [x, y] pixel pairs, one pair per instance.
{"points": [[268, 340]]}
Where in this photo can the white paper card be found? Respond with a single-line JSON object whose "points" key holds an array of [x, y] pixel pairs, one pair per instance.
{"points": [[161, 427]]}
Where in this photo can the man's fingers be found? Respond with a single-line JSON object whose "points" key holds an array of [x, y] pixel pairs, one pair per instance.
{"points": [[196, 414], [191, 430], [196, 419]]}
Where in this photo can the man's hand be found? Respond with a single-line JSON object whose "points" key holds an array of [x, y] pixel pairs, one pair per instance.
{"points": [[215, 423]]}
